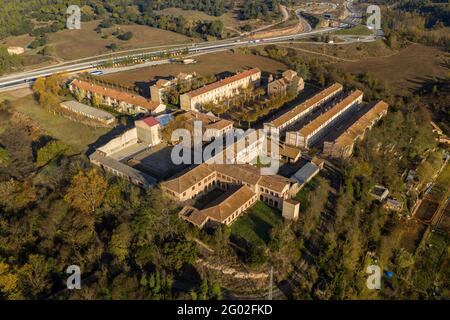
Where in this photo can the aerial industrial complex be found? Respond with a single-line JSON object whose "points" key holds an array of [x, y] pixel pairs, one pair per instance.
{"points": [[211, 150], [230, 175]]}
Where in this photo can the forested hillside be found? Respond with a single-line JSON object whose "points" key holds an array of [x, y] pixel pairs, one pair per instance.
{"points": [[426, 22], [50, 201], [44, 16]]}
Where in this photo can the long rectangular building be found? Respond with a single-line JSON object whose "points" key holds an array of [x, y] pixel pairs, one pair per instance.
{"points": [[309, 134], [224, 210], [123, 101], [88, 111], [219, 90], [292, 116], [205, 177], [242, 185], [342, 147]]}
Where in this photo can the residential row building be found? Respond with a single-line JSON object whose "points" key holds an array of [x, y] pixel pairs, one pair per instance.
{"points": [[342, 147], [280, 86], [310, 133], [120, 100], [292, 116], [219, 90], [243, 185]]}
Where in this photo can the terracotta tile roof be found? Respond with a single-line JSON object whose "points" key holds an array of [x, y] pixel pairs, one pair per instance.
{"points": [[274, 182], [243, 173], [228, 203], [324, 94], [320, 120], [208, 121], [284, 150], [188, 178], [318, 161], [133, 99], [221, 209], [220, 125], [224, 82], [289, 74], [290, 152], [194, 216], [162, 83], [367, 120], [252, 176]]}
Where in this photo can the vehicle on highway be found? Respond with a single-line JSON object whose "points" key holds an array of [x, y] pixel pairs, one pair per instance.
{"points": [[96, 72]]}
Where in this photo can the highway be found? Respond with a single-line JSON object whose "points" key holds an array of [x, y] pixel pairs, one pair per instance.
{"points": [[354, 17], [25, 79]]}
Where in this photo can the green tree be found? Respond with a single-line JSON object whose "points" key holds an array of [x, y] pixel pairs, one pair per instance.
{"points": [[216, 292], [204, 289], [4, 156], [9, 283], [34, 275], [176, 253], [86, 191], [50, 151], [120, 240], [95, 100], [126, 36]]}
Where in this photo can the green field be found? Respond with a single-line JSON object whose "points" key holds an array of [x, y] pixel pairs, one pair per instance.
{"points": [[444, 177], [356, 31], [76, 135], [428, 267], [255, 225]]}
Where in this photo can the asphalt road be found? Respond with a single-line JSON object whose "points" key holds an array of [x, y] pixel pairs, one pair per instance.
{"points": [[25, 79]]}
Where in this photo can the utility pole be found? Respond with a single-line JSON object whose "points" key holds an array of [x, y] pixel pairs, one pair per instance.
{"points": [[271, 283]]}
